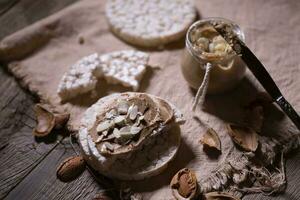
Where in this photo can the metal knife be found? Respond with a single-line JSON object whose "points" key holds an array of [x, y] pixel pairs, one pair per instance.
{"points": [[259, 71]]}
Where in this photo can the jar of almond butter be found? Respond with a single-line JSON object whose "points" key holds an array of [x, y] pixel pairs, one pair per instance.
{"points": [[205, 45]]}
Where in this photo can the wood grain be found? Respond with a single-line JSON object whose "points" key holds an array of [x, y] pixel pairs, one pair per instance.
{"points": [[19, 152], [26, 12], [42, 183]]}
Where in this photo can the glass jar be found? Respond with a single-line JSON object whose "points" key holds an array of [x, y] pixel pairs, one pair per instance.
{"points": [[226, 72]]}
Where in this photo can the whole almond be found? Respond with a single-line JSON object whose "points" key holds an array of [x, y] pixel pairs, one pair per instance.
{"points": [[70, 168]]}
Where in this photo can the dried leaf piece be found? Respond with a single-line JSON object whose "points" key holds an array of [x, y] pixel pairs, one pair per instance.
{"points": [[184, 184], [219, 195], [211, 139], [45, 121], [70, 168], [245, 137]]}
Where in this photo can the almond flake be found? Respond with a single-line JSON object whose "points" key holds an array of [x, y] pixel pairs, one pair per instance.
{"points": [[105, 125], [123, 107], [135, 130], [99, 139], [116, 133], [109, 146], [119, 119], [133, 111], [111, 114]]}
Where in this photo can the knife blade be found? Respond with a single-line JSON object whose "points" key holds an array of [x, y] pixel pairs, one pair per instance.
{"points": [[259, 71]]}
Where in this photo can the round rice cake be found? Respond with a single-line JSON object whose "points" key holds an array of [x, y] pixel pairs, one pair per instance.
{"points": [[150, 23], [151, 159]]}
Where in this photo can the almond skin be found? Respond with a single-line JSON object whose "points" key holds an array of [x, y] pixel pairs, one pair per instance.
{"points": [[70, 168]]}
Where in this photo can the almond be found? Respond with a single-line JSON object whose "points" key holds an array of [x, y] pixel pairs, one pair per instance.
{"points": [[70, 168]]}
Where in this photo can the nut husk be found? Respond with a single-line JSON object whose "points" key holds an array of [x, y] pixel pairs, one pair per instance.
{"points": [[219, 195], [243, 136], [45, 121], [211, 140], [48, 120], [70, 168], [184, 184]]}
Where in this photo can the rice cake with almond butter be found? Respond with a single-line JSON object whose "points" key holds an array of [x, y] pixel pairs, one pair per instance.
{"points": [[125, 135]]}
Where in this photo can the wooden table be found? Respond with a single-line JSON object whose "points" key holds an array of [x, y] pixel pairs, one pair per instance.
{"points": [[28, 166]]}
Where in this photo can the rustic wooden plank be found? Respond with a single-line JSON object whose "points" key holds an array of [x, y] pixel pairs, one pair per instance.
{"points": [[26, 12], [19, 151], [42, 183], [5, 5]]}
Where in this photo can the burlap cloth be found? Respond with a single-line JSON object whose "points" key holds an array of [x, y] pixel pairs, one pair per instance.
{"points": [[40, 54]]}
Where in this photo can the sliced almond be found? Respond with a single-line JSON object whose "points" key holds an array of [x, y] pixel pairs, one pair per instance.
{"points": [[45, 121], [109, 146], [184, 184], [99, 139], [123, 107], [116, 133], [133, 111], [245, 137], [105, 125], [135, 130], [211, 140], [120, 119], [219, 196], [111, 114], [70, 168]]}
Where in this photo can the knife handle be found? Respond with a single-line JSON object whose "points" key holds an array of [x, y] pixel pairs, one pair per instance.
{"points": [[289, 110]]}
